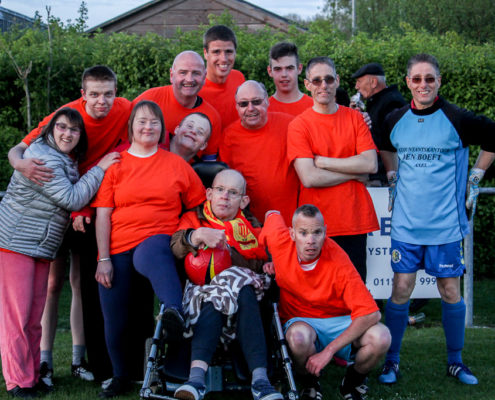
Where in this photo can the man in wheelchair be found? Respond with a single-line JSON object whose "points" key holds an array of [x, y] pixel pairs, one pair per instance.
{"points": [[221, 223], [326, 308]]}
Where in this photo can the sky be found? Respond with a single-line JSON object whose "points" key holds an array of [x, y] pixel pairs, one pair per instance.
{"points": [[103, 10]]}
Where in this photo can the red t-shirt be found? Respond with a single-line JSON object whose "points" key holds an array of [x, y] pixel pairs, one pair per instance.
{"points": [[174, 112], [222, 96], [347, 208], [295, 108], [332, 289], [260, 155], [103, 134], [147, 196]]}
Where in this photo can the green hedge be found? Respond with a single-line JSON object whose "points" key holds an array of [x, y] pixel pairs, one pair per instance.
{"points": [[468, 75]]}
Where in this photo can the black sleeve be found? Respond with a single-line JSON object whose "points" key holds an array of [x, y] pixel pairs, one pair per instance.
{"points": [[387, 126], [472, 128]]}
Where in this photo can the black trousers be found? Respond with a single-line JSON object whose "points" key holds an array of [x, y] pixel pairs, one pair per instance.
{"points": [[249, 331], [141, 310], [355, 247]]}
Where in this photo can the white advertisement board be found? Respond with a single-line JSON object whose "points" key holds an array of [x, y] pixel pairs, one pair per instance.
{"points": [[380, 276]]}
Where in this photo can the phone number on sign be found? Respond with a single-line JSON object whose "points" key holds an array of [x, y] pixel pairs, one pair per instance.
{"points": [[423, 281]]}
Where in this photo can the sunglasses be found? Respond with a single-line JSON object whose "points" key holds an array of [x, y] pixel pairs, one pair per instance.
{"points": [[64, 128], [428, 79], [255, 102], [329, 79]]}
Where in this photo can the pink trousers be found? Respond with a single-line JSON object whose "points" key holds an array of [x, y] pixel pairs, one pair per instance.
{"points": [[23, 283]]}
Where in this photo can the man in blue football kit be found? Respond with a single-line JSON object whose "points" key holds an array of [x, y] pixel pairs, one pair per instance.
{"points": [[425, 152]]}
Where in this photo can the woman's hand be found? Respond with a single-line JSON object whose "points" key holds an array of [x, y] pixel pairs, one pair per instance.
{"points": [[108, 159], [104, 273]]}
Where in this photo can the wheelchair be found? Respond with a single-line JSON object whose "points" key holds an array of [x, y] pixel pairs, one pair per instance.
{"points": [[167, 364]]}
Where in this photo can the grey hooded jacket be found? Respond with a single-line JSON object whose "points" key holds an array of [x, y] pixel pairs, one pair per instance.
{"points": [[33, 218]]}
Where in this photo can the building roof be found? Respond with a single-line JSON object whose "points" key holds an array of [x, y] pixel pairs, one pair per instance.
{"points": [[258, 16]]}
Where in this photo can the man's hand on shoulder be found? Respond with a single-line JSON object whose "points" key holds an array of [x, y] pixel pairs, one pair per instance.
{"points": [[32, 168]]}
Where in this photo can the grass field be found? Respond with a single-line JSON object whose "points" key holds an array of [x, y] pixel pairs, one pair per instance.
{"points": [[423, 360]]}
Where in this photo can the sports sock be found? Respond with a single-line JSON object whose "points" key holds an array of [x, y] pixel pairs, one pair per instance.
{"points": [[47, 356], [353, 378], [259, 373], [197, 374], [78, 351], [396, 316], [453, 316]]}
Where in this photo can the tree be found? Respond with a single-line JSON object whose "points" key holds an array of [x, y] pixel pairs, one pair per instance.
{"points": [[473, 20]]}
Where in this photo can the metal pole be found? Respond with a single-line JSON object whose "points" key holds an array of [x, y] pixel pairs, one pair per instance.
{"points": [[468, 276], [353, 26], [468, 259]]}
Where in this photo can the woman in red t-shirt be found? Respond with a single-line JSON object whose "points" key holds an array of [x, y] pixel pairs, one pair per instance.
{"points": [[138, 208]]}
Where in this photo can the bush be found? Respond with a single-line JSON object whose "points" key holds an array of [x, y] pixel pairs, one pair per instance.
{"points": [[141, 62]]}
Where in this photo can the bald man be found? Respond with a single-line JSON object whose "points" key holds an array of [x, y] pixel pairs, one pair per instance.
{"points": [[222, 222], [187, 77], [256, 145]]}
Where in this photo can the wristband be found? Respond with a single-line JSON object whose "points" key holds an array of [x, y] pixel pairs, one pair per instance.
{"points": [[104, 259]]}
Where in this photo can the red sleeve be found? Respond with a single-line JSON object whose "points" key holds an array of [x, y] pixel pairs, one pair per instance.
{"points": [[298, 144], [273, 229], [195, 193], [189, 220], [105, 195]]}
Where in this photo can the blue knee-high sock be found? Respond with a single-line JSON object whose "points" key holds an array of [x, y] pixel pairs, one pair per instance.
{"points": [[453, 316], [396, 316]]}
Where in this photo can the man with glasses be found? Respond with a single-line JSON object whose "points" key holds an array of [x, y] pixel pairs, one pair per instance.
{"points": [[223, 222], [425, 150], [333, 152], [256, 146]]}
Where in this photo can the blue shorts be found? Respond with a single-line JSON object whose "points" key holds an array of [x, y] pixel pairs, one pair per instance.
{"points": [[441, 261], [327, 329]]}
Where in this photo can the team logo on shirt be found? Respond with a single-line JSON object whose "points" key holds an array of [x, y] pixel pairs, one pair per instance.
{"points": [[396, 256]]}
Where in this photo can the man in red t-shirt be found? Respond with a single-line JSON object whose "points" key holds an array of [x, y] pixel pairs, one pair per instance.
{"points": [[222, 81], [284, 68], [333, 152], [179, 99], [324, 305], [105, 119], [256, 146]]}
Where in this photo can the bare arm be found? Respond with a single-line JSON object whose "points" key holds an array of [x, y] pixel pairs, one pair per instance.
{"points": [[485, 159], [390, 160], [312, 176], [355, 330], [31, 168], [363, 163], [103, 226]]}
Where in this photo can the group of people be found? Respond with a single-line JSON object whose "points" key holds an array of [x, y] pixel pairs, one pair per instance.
{"points": [[295, 191]]}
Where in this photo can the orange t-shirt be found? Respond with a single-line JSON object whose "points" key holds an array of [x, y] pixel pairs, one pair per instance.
{"points": [[147, 196], [222, 96], [347, 208], [295, 108], [103, 134], [332, 289], [261, 156], [174, 112]]}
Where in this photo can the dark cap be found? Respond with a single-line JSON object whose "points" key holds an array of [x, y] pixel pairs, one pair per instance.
{"points": [[369, 69]]}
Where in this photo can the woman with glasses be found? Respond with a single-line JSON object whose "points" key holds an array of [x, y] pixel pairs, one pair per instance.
{"points": [[138, 208], [33, 220]]}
